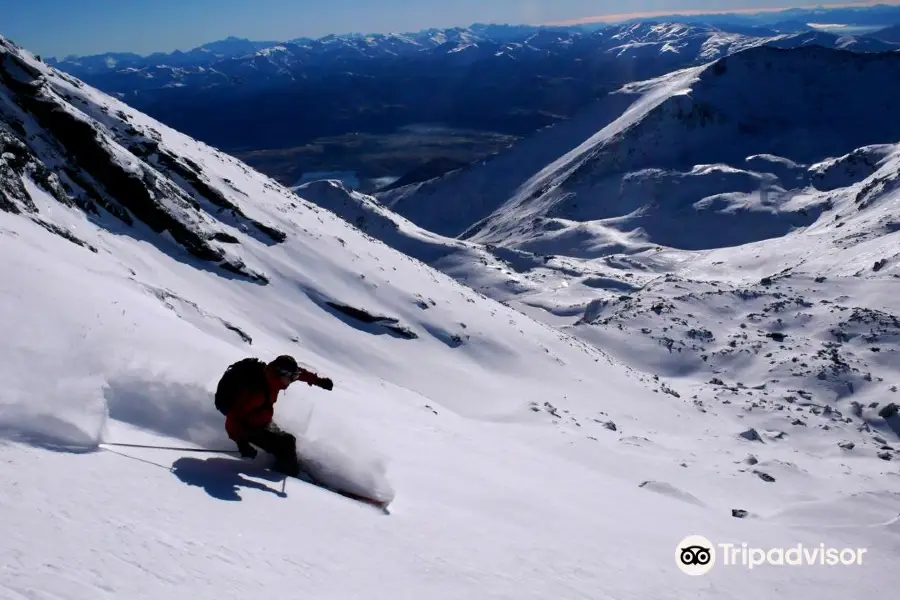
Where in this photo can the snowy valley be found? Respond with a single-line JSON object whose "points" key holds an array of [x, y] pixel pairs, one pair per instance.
{"points": [[695, 235], [654, 320]]}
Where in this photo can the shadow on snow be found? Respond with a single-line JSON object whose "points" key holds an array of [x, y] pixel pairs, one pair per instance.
{"points": [[223, 478]]}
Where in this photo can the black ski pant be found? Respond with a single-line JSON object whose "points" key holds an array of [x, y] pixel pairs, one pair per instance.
{"points": [[279, 443]]}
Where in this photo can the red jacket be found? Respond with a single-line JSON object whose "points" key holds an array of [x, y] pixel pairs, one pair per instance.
{"points": [[254, 410]]}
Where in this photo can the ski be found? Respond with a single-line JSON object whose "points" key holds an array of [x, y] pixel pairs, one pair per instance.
{"points": [[382, 506], [377, 504]]}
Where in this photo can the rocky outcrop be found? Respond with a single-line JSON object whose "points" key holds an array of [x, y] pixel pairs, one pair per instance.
{"points": [[84, 154]]}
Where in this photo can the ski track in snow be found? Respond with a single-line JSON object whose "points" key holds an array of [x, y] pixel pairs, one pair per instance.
{"points": [[558, 454]]}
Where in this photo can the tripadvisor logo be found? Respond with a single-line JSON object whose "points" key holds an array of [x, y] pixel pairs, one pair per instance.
{"points": [[696, 555]]}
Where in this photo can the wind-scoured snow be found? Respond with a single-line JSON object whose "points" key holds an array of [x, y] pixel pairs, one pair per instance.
{"points": [[523, 460]]}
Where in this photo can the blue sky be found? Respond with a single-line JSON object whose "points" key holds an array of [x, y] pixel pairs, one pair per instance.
{"points": [[62, 27]]}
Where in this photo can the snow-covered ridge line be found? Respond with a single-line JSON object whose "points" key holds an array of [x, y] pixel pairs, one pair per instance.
{"points": [[533, 36], [260, 61], [87, 150]]}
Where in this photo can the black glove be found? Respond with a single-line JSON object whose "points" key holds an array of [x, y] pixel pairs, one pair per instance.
{"points": [[247, 451], [325, 383]]}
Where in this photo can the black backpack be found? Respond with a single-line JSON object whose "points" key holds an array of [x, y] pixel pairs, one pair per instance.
{"points": [[248, 374]]}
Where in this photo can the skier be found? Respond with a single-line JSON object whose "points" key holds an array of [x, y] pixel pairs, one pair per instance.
{"points": [[246, 395]]}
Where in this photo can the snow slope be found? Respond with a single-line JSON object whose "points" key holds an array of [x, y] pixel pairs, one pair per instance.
{"points": [[862, 43], [705, 220], [812, 312], [696, 141], [522, 462], [501, 272]]}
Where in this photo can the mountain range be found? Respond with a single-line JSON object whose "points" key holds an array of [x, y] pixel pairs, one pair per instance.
{"points": [[672, 313], [329, 104]]}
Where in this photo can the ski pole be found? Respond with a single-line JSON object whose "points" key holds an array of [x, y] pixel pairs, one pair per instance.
{"points": [[170, 448]]}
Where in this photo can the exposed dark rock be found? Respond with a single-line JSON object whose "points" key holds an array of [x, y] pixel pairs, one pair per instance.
{"points": [[275, 234], [85, 148], [239, 268], [752, 435], [668, 390], [239, 331], [14, 156], [389, 323], [94, 197], [764, 476], [888, 410], [65, 234], [92, 176], [226, 238], [190, 172], [357, 313], [193, 178]]}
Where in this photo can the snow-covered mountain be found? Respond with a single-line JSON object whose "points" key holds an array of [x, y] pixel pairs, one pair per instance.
{"points": [[301, 54], [888, 34], [854, 43], [205, 54], [793, 19], [734, 225], [701, 141], [511, 80], [235, 57], [522, 461]]}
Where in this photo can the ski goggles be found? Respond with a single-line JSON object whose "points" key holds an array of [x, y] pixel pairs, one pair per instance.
{"points": [[286, 372]]}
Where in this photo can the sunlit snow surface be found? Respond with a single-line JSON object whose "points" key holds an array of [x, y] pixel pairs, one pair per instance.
{"points": [[523, 461]]}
